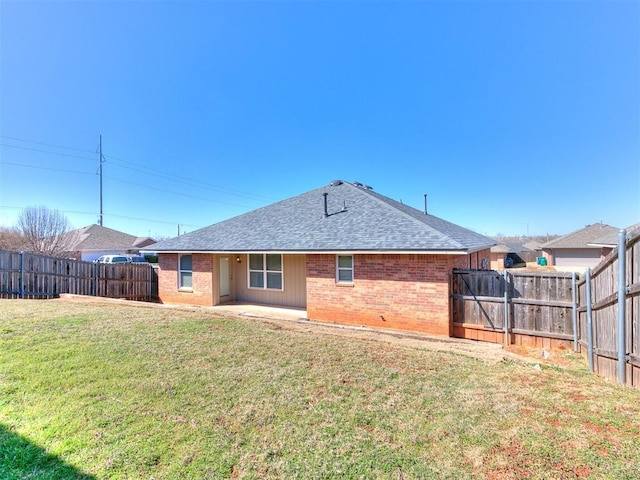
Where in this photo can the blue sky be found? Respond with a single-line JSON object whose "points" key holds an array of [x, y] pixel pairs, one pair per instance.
{"points": [[514, 117]]}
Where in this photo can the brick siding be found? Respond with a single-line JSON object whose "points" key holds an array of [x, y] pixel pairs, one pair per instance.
{"points": [[202, 280], [402, 292]]}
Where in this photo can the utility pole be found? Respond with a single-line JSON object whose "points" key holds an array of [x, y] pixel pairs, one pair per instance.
{"points": [[101, 162]]}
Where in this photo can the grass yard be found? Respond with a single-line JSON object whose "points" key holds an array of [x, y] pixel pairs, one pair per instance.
{"points": [[103, 390]]}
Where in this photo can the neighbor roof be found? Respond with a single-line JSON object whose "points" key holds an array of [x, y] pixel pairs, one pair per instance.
{"points": [[582, 238], [97, 237], [358, 219], [611, 239], [510, 248]]}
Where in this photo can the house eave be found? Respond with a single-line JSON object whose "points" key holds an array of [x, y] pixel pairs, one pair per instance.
{"points": [[328, 252], [589, 246]]}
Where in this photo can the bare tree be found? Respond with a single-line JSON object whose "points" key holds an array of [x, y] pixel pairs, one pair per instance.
{"points": [[9, 239], [45, 231]]}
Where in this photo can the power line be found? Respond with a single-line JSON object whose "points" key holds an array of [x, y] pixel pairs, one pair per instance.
{"points": [[147, 170], [46, 151], [124, 181], [187, 181], [176, 193], [38, 167], [127, 182], [46, 144], [113, 215], [150, 220]]}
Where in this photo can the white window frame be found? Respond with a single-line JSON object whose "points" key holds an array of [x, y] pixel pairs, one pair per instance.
{"points": [[265, 272], [344, 269], [181, 271]]}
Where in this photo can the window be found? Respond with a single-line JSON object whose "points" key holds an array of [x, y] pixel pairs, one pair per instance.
{"points": [[265, 271], [344, 269], [185, 272]]}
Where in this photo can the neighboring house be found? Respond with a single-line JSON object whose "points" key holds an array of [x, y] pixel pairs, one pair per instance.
{"points": [[89, 243], [510, 255], [576, 251], [343, 252], [611, 239]]}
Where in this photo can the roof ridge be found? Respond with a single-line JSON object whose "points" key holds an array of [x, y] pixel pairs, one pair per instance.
{"points": [[370, 222], [376, 195]]}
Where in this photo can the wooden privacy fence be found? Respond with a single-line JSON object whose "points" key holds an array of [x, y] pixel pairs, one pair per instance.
{"points": [[599, 314], [609, 327], [518, 307], [28, 275]]}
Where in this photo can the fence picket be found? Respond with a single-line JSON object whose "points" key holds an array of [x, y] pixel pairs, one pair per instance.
{"points": [[537, 302], [28, 275]]}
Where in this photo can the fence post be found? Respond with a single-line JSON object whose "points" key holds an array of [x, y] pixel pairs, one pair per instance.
{"points": [[574, 299], [506, 307], [622, 298], [21, 275], [589, 318], [96, 266], [150, 272]]}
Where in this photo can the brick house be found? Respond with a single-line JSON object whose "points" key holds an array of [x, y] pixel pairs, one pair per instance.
{"points": [[343, 252]]}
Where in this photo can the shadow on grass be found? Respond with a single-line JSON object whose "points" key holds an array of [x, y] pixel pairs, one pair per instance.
{"points": [[21, 459]]}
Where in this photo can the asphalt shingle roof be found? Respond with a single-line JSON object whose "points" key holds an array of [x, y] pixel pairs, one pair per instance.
{"points": [[582, 238], [359, 219], [510, 248], [611, 239], [96, 237]]}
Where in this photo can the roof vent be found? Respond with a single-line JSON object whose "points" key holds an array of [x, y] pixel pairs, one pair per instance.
{"points": [[335, 183], [368, 187], [358, 184]]}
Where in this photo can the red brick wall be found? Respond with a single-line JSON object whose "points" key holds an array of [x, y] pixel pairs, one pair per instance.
{"points": [[473, 261], [403, 292], [202, 280]]}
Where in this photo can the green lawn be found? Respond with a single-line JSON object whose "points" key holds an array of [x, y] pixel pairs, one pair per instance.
{"points": [[96, 390]]}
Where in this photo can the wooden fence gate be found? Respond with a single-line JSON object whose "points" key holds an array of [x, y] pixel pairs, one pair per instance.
{"points": [[522, 308]]}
